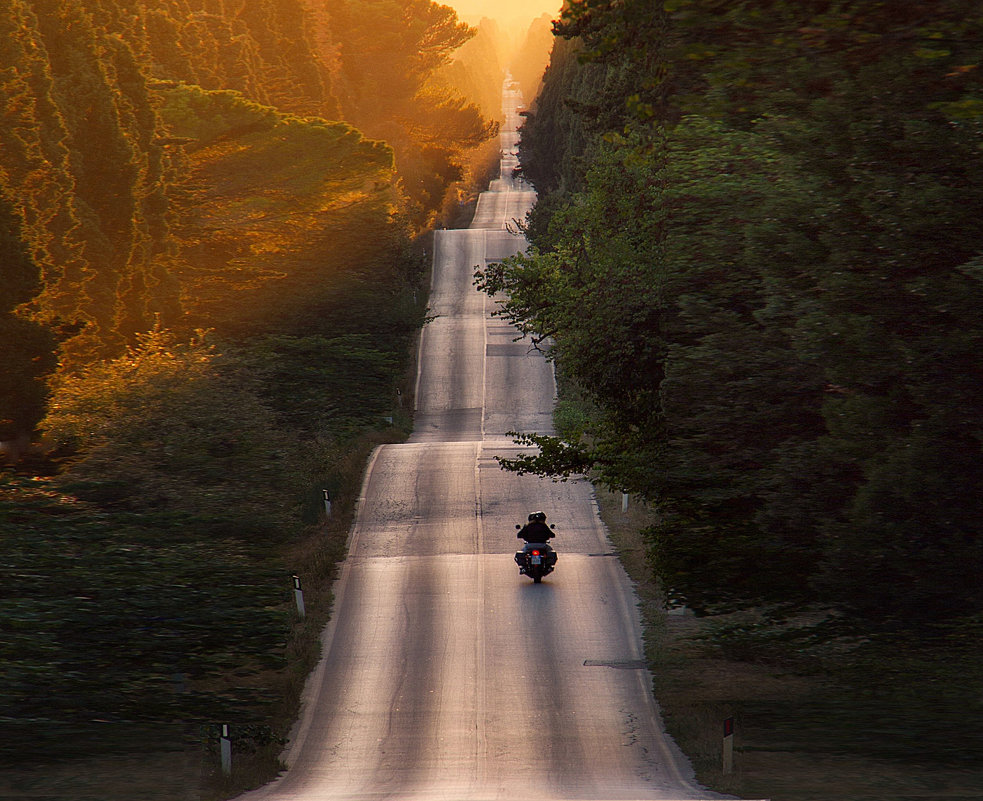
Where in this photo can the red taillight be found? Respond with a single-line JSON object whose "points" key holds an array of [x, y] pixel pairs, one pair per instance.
{"points": [[535, 553]]}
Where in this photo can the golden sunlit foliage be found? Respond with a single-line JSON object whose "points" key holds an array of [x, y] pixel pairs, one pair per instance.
{"points": [[151, 438], [147, 147], [477, 68], [388, 80], [262, 187]]}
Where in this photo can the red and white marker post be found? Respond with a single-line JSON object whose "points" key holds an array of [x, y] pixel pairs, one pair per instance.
{"points": [[728, 750]]}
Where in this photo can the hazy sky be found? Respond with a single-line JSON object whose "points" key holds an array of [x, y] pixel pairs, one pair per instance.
{"points": [[507, 12]]}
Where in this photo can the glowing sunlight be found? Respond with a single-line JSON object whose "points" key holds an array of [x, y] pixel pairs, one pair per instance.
{"points": [[507, 12]]}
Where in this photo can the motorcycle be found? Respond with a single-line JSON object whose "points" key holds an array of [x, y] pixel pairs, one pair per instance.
{"points": [[536, 559]]}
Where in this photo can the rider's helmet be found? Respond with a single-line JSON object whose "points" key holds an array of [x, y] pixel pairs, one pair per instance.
{"points": [[537, 517]]}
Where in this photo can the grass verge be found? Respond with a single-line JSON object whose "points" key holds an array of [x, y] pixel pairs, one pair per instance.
{"points": [[147, 599], [821, 713]]}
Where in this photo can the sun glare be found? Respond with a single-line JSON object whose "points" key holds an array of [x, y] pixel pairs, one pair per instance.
{"points": [[508, 13]]}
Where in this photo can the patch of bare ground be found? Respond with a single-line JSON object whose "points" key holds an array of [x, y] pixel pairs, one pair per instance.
{"points": [[830, 721]]}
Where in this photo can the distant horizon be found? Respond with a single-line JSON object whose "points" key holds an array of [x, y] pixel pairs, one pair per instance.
{"points": [[508, 13]]}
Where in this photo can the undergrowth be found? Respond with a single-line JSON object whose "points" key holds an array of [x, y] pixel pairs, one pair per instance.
{"points": [[823, 709]]}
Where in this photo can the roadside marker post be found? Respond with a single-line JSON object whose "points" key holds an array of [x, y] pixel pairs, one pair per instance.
{"points": [[327, 503], [299, 598], [728, 751], [624, 503], [226, 747]]}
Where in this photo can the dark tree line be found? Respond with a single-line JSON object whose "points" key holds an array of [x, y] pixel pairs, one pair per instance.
{"points": [[757, 256]]}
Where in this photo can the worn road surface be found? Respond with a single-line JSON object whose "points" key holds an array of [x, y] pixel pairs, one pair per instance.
{"points": [[446, 675]]}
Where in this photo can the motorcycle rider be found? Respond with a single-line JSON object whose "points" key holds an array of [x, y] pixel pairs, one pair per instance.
{"points": [[536, 533], [536, 529]]}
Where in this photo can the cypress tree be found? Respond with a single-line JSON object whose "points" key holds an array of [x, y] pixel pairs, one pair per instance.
{"points": [[102, 164], [28, 347], [34, 157]]}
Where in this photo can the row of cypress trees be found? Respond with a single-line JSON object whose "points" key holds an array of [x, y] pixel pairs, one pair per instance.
{"points": [[95, 186]]}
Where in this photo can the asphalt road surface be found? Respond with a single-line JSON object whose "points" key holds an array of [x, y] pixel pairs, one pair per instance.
{"points": [[446, 675]]}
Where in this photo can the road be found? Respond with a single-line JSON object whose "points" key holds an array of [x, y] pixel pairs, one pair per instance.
{"points": [[446, 675]]}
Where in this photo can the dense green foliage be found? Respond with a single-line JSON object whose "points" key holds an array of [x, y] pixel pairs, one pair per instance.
{"points": [[757, 256]]}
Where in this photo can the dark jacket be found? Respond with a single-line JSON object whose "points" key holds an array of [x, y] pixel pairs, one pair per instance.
{"points": [[535, 532]]}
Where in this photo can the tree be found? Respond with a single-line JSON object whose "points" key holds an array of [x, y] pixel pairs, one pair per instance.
{"points": [[390, 55], [656, 307], [791, 354], [532, 57], [148, 436], [476, 70], [27, 346]]}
